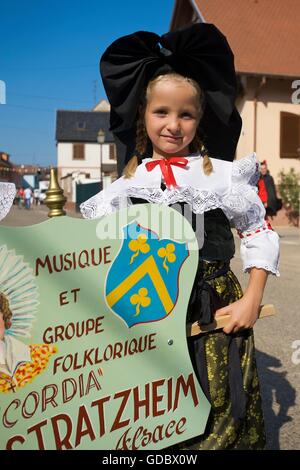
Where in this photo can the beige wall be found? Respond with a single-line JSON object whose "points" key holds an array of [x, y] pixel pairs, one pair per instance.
{"points": [[273, 97], [91, 163]]}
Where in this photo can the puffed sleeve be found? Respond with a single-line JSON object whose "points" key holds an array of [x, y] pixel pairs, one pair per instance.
{"points": [[106, 201], [7, 195], [259, 243]]}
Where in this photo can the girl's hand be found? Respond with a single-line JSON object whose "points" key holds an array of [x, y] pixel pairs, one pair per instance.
{"points": [[243, 313]]}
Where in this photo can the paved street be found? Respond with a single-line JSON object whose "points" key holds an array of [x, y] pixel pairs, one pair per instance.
{"points": [[280, 377], [35, 215]]}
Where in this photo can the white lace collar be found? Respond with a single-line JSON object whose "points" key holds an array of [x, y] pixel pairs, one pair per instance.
{"points": [[190, 176], [203, 193]]}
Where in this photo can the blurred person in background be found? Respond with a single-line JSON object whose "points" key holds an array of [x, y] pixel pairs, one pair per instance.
{"points": [[267, 191], [27, 197]]}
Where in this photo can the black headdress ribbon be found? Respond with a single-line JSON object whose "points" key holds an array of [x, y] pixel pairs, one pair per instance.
{"points": [[200, 52]]}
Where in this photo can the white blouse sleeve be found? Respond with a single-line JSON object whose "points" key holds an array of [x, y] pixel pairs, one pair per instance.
{"points": [[7, 195], [259, 243], [106, 201]]}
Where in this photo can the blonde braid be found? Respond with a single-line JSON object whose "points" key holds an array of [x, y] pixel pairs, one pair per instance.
{"points": [[131, 167], [207, 165], [141, 145], [197, 146], [141, 135]]}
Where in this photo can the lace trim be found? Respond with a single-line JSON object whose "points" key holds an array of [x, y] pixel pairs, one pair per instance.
{"points": [[200, 201], [246, 170], [99, 206], [244, 207], [267, 267], [248, 214], [241, 203], [7, 195]]}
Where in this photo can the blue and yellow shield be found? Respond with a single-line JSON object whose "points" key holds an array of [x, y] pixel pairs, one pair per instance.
{"points": [[142, 283]]}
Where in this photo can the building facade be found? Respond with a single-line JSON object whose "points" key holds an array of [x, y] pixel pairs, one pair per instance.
{"points": [[265, 38], [86, 151], [6, 168]]}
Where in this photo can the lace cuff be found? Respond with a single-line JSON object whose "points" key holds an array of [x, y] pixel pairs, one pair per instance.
{"points": [[7, 195], [261, 250]]}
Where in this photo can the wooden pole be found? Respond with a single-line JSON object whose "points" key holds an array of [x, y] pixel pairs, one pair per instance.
{"points": [[194, 329]]}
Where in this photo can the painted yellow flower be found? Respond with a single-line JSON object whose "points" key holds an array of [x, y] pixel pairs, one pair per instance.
{"points": [[167, 254], [140, 299], [138, 246]]}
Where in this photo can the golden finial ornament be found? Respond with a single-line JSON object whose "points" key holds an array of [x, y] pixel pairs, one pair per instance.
{"points": [[55, 199]]}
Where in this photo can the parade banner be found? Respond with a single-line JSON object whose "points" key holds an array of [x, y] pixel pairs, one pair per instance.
{"points": [[93, 348]]}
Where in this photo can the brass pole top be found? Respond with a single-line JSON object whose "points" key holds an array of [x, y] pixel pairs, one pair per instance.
{"points": [[55, 199]]}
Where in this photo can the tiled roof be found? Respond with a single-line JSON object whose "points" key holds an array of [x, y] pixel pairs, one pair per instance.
{"points": [[263, 34], [82, 126]]}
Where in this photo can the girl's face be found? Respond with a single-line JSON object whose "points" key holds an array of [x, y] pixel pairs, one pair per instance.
{"points": [[171, 117]]}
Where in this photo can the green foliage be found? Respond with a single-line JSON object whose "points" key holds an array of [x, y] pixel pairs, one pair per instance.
{"points": [[290, 190]]}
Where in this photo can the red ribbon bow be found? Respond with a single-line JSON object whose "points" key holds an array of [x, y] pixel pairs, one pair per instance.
{"points": [[166, 168]]}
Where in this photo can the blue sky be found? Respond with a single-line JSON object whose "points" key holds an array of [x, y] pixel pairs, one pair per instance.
{"points": [[49, 55]]}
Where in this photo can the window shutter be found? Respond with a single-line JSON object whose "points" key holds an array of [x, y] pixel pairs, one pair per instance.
{"points": [[112, 152], [78, 151], [289, 135]]}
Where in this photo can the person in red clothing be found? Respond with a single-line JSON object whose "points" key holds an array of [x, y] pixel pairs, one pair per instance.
{"points": [[267, 191], [262, 190]]}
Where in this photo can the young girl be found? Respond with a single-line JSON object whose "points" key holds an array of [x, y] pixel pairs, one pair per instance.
{"points": [[171, 117]]}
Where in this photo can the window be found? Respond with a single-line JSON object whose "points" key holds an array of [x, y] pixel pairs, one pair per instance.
{"points": [[289, 135], [81, 125], [78, 152], [112, 152]]}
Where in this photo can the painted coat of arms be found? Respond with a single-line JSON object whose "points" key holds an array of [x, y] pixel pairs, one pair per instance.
{"points": [[142, 284]]}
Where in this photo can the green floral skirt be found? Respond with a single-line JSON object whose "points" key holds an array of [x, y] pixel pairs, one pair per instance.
{"points": [[222, 430]]}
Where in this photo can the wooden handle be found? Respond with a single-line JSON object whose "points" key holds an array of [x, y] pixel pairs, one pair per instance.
{"points": [[193, 329]]}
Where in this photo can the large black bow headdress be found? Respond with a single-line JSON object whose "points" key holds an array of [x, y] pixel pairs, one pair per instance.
{"points": [[199, 51]]}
